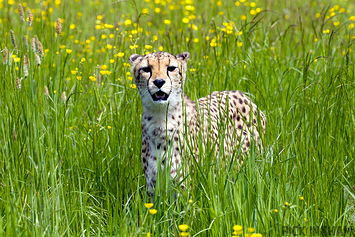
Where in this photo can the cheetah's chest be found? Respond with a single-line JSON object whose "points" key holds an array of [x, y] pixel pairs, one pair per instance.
{"points": [[160, 132]]}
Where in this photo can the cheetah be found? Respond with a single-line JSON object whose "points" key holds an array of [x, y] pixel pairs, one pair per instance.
{"points": [[171, 120]]}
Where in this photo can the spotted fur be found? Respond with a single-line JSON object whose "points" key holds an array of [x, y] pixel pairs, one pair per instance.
{"points": [[171, 120]]}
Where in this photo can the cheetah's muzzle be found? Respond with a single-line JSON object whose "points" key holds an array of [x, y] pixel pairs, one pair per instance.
{"points": [[160, 96]]}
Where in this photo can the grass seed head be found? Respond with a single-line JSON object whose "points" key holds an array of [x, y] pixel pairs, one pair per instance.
{"points": [[36, 42], [26, 61], [64, 97], [40, 49], [30, 17], [5, 55], [37, 59], [46, 92], [18, 83], [25, 42], [58, 27], [26, 65], [33, 45], [21, 13], [12, 36]]}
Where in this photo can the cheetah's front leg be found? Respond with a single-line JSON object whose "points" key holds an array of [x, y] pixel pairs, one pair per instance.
{"points": [[168, 157]]}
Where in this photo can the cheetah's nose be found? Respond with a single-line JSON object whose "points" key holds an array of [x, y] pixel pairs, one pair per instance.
{"points": [[159, 83]]}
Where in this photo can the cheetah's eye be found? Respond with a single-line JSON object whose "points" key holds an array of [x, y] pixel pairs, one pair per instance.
{"points": [[171, 68], [146, 69]]}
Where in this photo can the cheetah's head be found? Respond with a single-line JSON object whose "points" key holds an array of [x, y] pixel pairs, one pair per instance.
{"points": [[159, 76]]}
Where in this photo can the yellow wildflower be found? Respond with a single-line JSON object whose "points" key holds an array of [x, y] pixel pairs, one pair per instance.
{"points": [[183, 227], [185, 20], [127, 22], [213, 43], [109, 26], [237, 227], [153, 211], [103, 67], [145, 11]]}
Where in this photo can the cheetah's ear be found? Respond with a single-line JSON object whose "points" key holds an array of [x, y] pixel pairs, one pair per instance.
{"points": [[134, 57], [184, 56]]}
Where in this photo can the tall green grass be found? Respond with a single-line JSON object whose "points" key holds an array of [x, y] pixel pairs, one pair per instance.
{"points": [[74, 168]]}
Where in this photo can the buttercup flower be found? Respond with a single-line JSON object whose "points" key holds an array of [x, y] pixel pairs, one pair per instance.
{"points": [[153, 211], [183, 227], [148, 205]]}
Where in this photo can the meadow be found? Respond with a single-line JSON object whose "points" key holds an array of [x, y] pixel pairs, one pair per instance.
{"points": [[70, 114]]}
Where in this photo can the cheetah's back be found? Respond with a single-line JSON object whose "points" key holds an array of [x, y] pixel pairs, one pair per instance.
{"points": [[230, 112]]}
